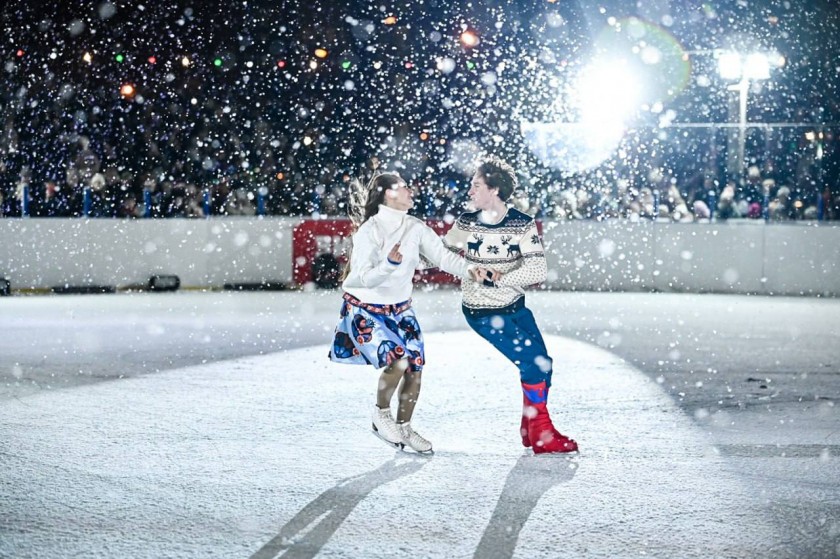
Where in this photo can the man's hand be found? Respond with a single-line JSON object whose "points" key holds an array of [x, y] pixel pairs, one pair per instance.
{"points": [[481, 274], [493, 275], [395, 256]]}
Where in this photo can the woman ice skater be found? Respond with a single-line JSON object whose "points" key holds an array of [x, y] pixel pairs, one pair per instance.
{"points": [[378, 325]]}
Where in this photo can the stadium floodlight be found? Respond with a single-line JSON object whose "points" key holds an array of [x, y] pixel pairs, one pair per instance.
{"points": [[745, 68], [754, 66], [757, 66], [729, 65]]}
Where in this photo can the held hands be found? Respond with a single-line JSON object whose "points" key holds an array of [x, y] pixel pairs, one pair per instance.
{"points": [[481, 274], [395, 256]]}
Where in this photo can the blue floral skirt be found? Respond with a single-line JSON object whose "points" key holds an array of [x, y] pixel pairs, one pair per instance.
{"points": [[377, 335]]}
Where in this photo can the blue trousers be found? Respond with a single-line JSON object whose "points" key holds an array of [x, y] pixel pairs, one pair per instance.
{"points": [[518, 338]]}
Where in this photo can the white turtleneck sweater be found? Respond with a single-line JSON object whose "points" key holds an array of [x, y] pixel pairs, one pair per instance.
{"points": [[373, 279]]}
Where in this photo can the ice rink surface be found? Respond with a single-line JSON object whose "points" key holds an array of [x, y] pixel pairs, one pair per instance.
{"points": [[212, 424]]}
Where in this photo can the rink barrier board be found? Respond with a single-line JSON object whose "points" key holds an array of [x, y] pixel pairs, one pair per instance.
{"points": [[732, 257]]}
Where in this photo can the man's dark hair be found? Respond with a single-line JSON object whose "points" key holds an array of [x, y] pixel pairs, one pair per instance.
{"points": [[498, 174]]}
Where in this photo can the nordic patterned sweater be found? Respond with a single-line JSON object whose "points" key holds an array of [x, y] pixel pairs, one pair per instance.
{"points": [[512, 246]]}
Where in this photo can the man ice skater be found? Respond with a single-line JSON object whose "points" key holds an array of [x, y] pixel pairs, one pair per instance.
{"points": [[506, 248]]}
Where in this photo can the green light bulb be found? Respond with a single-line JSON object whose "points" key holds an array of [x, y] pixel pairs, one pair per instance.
{"points": [[120, 58], [346, 64], [218, 62]]}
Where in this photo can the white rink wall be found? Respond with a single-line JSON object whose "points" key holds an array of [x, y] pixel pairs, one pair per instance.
{"points": [[43, 253], [731, 257]]}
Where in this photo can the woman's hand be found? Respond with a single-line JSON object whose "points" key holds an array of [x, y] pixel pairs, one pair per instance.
{"points": [[480, 274], [395, 256]]}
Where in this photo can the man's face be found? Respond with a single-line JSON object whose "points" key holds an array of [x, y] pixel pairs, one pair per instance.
{"points": [[483, 197]]}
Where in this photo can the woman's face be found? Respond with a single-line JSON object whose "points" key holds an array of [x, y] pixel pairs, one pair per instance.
{"points": [[399, 197]]}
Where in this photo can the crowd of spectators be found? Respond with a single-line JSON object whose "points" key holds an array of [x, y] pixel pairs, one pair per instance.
{"points": [[249, 137], [94, 187]]}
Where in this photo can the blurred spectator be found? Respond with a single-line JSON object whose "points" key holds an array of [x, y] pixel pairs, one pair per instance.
{"points": [[239, 202], [101, 202], [87, 162], [646, 203], [742, 206], [677, 205], [130, 208], [21, 189], [53, 202], [194, 204], [522, 202], [726, 203], [329, 206], [565, 205], [701, 210], [780, 207]]}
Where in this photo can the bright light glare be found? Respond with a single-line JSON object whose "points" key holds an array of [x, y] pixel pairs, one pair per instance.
{"points": [[729, 65], [469, 39], [757, 67], [606, 97], [607, 94]]}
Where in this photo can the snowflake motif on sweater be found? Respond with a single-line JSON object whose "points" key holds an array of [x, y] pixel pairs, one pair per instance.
{"points": [[518, 255]]}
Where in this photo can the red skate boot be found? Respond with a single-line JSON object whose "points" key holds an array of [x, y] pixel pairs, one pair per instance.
{"points": [[542, 435], [523, 427]]}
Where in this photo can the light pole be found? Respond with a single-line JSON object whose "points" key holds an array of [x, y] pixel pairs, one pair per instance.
{"points": [[744, 68]]}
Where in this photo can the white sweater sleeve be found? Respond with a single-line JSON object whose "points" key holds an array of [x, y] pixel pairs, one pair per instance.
{"points": [[368, 259], [433, 249]]}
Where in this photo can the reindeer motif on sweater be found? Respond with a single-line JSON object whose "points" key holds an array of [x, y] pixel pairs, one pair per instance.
{"points": [[472, 248], [512, 250]]}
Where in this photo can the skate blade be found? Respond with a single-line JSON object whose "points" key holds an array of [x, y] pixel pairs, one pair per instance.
{"points": [[408, 450], [567, 454], [375, 431]]}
